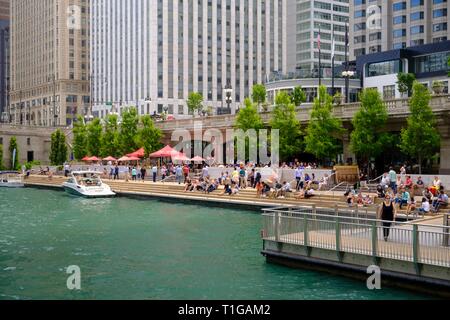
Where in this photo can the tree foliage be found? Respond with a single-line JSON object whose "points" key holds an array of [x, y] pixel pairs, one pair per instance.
{"points": [[420, 139], [149, 136], [248, 117], [13, 146], [405, 82], [367, 138], [323, 129], [129, 131], [259, 94], [94, 137], [110, 138], [79, 139], [298, 96], [194, 102], [284, 119], [58, 149]]}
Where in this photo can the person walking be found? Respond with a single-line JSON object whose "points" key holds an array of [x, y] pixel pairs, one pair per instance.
{"points": [[388, 214], [116, 172], [134, 174], [143, 173], [179, 174], [393, 179], [155, 172], [298, 177]]}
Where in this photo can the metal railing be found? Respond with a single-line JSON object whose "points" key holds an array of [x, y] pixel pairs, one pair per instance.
{"points": [[343, 231]]}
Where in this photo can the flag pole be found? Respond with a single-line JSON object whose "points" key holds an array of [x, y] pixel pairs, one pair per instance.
{"points": [[333, 53], [320, 59]]}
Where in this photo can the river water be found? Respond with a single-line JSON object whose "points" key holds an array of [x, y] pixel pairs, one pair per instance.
{"points": [[146, 249]]}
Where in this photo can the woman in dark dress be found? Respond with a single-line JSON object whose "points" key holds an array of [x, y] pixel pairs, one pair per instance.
{"points": [[387, 215]]}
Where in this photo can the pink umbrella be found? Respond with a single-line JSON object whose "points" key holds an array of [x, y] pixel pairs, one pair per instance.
{"points": [[123, 159], [137, 154], [180, 157], [197, 159], [167, 151], [134, 159], [85, 159], [95, 159], [110, 159]]}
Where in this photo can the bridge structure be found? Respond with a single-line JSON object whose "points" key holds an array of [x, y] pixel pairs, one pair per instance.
{"points": [[398, 111]]}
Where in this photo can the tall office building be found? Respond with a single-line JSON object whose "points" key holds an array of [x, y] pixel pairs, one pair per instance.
{"points": [[4, 60], [152, 54], [382, 25], [305, 19], [49, 61]]}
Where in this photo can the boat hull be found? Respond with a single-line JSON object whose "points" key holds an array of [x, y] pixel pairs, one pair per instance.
{"points": [[12, 185], [73, 190]]}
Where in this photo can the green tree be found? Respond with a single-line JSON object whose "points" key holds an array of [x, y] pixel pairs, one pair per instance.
{"points": [[110, 138], [1, 157], [129, 131], [58, 149], [298, 96], [323, 128], [367, 138], [284, 119], [149, 136], [79, 139], [405, 82], [259, 94], [420, 139], [194, 102], [248, 117], [94, 137], [13, 146]]}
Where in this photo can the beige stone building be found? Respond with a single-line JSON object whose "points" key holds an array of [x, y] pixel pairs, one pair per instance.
{"points": [[49, 61], [4, 9]]}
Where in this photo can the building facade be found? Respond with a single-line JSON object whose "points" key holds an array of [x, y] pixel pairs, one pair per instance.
{"points": [[153, 54], [383, 25], [305, 20], [49, 61], [4, 60], [427, 62]]}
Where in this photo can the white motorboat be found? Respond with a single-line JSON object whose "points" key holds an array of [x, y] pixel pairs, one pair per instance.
{"points": [[11, 179], [87, 184]]}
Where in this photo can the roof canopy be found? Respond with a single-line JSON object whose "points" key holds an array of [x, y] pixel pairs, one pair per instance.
{"points": [[137, 154]]}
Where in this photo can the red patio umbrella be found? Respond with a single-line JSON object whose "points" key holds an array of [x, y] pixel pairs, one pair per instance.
{"points": [[94, 159], [167, 151], [110, 159], [137, 154], [180, 157], [133, 159], [85, 159], [123, 159]]}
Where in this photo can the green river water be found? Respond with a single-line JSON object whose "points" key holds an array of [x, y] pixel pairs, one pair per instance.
{"points": [[146, 249]]}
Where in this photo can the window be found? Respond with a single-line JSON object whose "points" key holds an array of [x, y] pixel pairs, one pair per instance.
{"points": [[28, 141], [383, 68], [440, 27], [399, 6], [399, 33], [440, 13], [389, 92], [399, 19], [415, 3], [432, 63], [417, 29], [419, 15]]}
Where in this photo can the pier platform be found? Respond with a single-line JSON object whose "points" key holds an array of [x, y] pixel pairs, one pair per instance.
{"points": [[415, 256]]}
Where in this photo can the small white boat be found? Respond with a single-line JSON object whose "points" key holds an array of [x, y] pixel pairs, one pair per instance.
{"points": [[87, 184], [11, 179]]}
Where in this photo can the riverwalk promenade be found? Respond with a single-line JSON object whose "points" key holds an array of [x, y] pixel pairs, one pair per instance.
{"points": [[416, 255]]}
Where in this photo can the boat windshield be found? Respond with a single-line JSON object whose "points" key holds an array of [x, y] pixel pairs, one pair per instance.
{"points": [[88, 180]]}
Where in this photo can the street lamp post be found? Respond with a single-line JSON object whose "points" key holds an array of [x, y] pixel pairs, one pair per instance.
{"points": [[228, 95], [347, 75]]}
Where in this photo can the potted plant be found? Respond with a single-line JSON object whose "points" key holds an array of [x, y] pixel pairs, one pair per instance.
{"points": [[338, 99], [438, 87]]}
